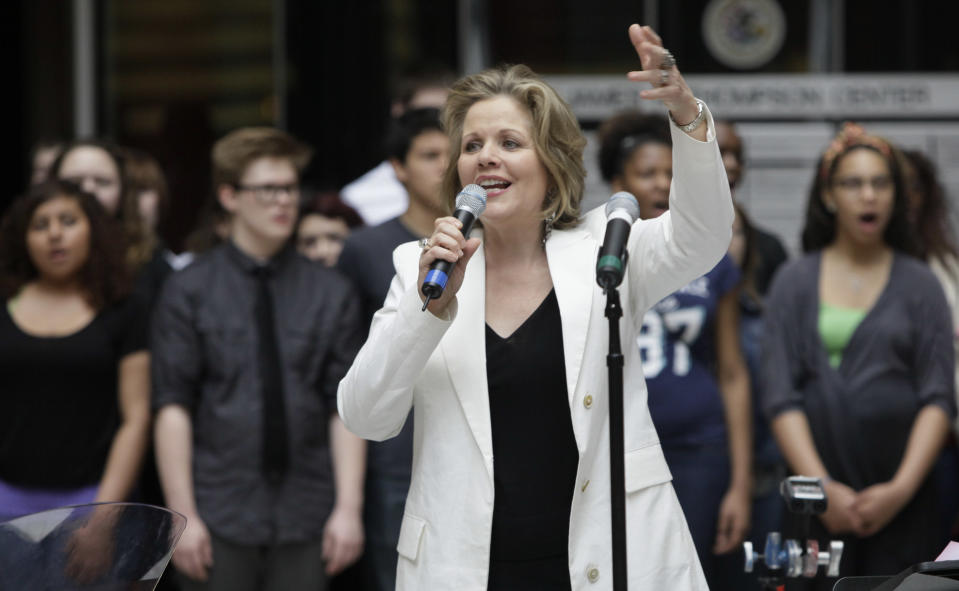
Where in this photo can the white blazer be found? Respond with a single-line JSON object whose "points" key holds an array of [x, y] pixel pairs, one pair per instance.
{"points": [[438, 367]]}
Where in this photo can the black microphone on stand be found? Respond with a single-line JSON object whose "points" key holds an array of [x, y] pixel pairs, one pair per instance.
{"points": [[470, 204], [622, 209]]}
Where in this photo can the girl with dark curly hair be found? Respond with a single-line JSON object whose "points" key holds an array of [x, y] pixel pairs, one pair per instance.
{"points": [[858, 362], [74, 407]]}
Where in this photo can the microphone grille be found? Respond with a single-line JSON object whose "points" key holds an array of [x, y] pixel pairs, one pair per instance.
{"points": [[625, 202], [472, 198]]}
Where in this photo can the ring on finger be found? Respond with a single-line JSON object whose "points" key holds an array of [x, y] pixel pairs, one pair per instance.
{"points": [[668, 61], [663, 77], [425, 244]]}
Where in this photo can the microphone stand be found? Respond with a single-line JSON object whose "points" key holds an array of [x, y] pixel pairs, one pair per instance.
{"points": [[617, 453], [611, 263]]}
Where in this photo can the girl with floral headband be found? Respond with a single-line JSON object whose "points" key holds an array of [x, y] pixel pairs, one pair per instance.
{"points": [[858, 362]]}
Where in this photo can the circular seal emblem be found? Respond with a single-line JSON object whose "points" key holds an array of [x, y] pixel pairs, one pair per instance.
{"points": [[744, 34]]}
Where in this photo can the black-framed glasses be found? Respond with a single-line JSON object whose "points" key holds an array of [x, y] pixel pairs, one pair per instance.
{"points": [[268, 194]]}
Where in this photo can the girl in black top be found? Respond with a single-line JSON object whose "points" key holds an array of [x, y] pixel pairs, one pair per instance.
{"points": [[74, 407]]}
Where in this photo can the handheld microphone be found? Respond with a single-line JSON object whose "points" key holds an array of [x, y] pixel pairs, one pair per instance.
{"points": [[622, 210], [470, 204]]}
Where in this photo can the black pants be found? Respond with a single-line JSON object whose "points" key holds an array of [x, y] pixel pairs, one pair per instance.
{"points": [[262, 568]]}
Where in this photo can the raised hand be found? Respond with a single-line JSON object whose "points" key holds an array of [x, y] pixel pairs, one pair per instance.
{"points": [[660, 70]]}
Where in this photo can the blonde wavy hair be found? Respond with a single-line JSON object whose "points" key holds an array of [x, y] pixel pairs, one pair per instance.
{"points": [[555, 131]]}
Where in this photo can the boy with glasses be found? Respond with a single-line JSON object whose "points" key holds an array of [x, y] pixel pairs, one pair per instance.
{"points": [[249, 344]]}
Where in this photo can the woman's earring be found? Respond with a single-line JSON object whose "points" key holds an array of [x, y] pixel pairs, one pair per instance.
{"points": [[548, 226], [548, 202]]}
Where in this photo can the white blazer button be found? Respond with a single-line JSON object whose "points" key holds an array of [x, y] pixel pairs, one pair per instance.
{"points": [[592, 573], [588, 401]]}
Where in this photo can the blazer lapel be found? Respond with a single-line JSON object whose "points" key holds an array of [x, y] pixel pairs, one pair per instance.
{"points": [[571, 259], [466, 366]]}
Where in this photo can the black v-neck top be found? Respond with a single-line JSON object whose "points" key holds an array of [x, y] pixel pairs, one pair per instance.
{"points": [[534, 453]]}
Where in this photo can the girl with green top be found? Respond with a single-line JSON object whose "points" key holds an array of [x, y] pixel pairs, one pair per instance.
{"points": [[858, 363]]}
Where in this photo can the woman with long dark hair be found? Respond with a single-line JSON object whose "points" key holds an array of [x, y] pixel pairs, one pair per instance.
{"points": [[74, 407], [858, 361], [931, 217]]}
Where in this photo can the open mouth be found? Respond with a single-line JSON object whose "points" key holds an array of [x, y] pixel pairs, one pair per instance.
{"points": [[58, 254], [869, 218], [495, 184]]}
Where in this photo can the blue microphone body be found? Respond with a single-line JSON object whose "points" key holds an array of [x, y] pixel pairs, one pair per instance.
{"points": [[438, 275], [470, 204]]}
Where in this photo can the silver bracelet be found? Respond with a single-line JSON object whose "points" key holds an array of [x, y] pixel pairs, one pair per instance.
{"points": [[696, 122]]}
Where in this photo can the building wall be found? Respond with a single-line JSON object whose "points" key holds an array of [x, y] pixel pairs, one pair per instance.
{"points": [[786, 121], [172, 75]]}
